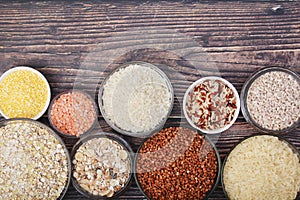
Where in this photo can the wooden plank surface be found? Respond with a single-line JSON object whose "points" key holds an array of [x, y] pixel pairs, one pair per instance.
{"points": [[75, 44]]}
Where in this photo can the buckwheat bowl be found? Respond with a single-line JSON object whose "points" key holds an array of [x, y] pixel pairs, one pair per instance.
{"points": [[177, 163]]}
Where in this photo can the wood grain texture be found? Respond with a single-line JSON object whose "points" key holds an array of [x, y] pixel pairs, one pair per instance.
{"points": [[75, 44]]}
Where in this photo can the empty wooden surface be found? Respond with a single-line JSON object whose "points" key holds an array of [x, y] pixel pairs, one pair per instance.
{"points": [[75, 44]]}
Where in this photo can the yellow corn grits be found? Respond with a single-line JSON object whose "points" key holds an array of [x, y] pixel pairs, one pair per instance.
{"points": [[23, 94]]}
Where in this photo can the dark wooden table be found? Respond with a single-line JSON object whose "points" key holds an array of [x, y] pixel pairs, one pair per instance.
{"points": [[75, 44]]}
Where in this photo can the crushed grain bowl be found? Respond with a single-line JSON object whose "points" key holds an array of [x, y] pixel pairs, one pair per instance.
{"points": [[211, 104], [34, 162], [136, 99], [177, 163], [262, 167], [25, 93], [102, 165], [271, 100], [72, 113]]}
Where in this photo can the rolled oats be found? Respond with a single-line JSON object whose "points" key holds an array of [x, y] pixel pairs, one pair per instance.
{"points": [[33, 163], [102, 166]]}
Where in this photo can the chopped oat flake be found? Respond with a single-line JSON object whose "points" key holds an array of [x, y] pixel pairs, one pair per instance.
{"points": [[102, 166], [211, 105], [33, 163]]}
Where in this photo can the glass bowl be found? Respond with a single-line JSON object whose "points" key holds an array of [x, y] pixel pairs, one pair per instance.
{"points": [[244, 96], [92, 137], [41, 76], [191, 89], [88, 125], [112, 123], [40, 146], [249, 159], [172, 162]]}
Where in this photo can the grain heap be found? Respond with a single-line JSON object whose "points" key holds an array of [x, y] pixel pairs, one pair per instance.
{"points": [[72, 113], [24, 93], [33, 163], [273, 100], [262, 167], [102, 167], [211, 105], [176, 163], [136, 98]]}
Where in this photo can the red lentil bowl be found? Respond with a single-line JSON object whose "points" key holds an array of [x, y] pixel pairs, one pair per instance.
{"points": [[73, 113], [177, 163]]}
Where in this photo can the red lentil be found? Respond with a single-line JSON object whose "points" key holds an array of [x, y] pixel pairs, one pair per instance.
{"points": [[176, 163], [73, 113]]}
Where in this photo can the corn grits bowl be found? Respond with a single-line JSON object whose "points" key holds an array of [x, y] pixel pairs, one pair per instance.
{"points": [[25, 93]]}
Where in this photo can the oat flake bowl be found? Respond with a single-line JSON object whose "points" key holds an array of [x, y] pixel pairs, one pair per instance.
{"points": [[270, 100], [102, 165], [34, 162], [262, 167], [136, 99], [177, 163], [211, 105], [25, 93]]}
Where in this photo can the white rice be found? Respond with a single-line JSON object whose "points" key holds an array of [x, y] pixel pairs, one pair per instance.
{"points": [[136, 98], [262, 167]]}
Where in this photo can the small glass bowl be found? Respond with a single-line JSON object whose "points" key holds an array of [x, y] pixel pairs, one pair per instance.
{"points": [[129, 133], [293, 148], [67, 92], [112, 137], [23, 68], [236, 114], [244, 96], [219, 165], [20, 121]]}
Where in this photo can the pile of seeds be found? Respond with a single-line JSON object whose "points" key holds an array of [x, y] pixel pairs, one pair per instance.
{"points": [[24, 94], [176, 163], [33, 163], [211, 105], [73, 113], [102, 166], [273, 100]]}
